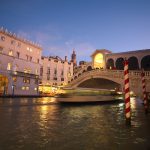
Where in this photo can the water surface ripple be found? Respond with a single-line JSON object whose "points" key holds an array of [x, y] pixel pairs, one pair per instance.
{"points": [[44, 124]]}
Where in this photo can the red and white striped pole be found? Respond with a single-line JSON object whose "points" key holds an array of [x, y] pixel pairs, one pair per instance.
{"points": [[144, 92], [127, 93]]}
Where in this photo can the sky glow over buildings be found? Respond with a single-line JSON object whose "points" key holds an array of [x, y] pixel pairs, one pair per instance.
{"points": [[84, 25]]}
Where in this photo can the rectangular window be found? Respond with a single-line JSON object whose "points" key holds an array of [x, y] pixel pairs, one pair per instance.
{"points": [[48, 70], [26, 80], [18, 54], [36, 81], [15, 79], [48, 77], [55, 78], [41, 71], [27, 57], [1, 49], [30, 58], [9, 66], [55, 71]]}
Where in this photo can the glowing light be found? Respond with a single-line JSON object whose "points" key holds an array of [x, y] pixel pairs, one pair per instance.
{"points": [[99, 58]]}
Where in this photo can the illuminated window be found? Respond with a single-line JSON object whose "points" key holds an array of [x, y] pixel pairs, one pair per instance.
{"points": [[36, 71], [15, 79], [26, 80], [10, 53], [25, 70], [9, 66], [27, 88], [28, 48], [23, 88], [35, 89]]}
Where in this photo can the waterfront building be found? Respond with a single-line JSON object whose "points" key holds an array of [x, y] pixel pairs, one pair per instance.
{"points": [[54, 72], [19, 65]]}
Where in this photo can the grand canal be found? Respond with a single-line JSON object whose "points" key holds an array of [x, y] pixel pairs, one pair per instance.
{"points": [[44, 124]]}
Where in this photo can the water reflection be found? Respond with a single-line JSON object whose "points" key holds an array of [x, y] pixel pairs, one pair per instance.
{"points": [[42, 123]]}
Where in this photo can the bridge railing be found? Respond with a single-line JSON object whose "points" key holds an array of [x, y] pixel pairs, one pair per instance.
{"points": [[107, 72]]}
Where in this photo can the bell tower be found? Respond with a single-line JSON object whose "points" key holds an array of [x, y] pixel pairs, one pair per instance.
{"points": [[73, 59]]}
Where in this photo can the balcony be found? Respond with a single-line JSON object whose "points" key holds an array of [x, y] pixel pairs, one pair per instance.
{"points": [[22, 74]]}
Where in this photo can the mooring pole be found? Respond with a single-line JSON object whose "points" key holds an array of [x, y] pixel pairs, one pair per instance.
{"points": [[127, 93], [144, 92]]}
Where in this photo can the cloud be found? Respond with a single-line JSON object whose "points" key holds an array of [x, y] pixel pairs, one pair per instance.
{"points": [[56, 44]]}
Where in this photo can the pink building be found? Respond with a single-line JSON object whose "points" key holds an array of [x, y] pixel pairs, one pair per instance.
{"points": [[19, 65]]}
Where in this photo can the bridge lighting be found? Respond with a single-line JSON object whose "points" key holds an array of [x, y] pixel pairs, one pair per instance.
{"points": [[98, 61], [99, 58]]}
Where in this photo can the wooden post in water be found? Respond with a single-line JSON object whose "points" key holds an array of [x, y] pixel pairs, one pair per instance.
{"points": [[127, 93], [144, 92]]}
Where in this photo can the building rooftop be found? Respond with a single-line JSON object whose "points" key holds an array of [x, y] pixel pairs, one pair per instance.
{"points": [[13, 35]]}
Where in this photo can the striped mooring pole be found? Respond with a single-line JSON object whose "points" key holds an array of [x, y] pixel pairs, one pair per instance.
{"points": [[144, 92], [127, 93]]}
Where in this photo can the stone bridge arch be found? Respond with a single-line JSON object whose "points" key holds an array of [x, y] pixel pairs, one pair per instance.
{"points": [[113, 77]]}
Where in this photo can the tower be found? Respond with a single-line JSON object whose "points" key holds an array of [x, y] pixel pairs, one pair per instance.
{"points": [[73, 59]]}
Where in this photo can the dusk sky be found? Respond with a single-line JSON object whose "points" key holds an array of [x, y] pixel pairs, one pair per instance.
{"points": [[84, 25]]}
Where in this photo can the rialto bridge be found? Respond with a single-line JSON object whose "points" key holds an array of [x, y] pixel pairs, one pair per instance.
{"points": [[106, 71]]}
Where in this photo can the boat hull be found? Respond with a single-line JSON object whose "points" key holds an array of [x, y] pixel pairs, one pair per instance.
{"points": [[87, 99]]}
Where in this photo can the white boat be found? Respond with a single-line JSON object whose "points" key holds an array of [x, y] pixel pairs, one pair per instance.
{"points": [[86, 99]]}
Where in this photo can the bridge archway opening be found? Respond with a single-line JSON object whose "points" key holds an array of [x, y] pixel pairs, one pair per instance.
{"points": [[133, 63], [110, 63], [100, 83], [3, 84], [145, 63], [119, 63]]}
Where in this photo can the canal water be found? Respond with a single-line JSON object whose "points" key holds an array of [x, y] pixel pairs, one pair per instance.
{"points": [[44, 124]]}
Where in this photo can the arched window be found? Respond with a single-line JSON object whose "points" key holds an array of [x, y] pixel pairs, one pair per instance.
{"points": [[79, 74], [110, 63], [89, 68], [145, 62], [133, 63], [119, 64], [83, 71], [75, 77]]}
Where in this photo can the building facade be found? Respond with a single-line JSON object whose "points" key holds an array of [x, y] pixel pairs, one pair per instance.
{"points": [[54, 72], [19, 65]]}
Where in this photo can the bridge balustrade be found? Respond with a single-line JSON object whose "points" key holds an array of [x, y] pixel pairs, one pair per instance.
{"points": [[108, 73]]}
